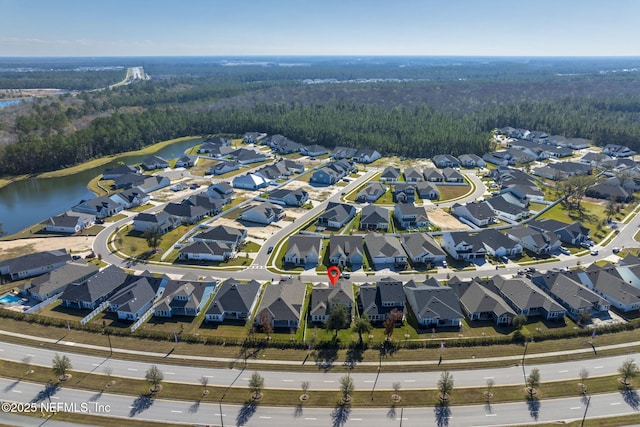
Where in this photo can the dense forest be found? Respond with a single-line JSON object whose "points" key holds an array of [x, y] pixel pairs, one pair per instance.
{"points": [[430, 112]]}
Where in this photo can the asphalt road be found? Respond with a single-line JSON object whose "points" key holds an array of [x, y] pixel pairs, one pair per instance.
{"points": [[198, 412]]}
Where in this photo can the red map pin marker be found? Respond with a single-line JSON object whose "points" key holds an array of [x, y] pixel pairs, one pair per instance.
{"points": [[333, 273]]}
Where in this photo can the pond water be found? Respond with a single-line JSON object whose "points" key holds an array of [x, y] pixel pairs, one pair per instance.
{"points": [[7, 102], [28, 202]]}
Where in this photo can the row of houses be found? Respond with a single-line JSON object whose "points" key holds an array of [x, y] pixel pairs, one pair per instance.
{"points": [[268, 175], [383, 251], [543, 138]]}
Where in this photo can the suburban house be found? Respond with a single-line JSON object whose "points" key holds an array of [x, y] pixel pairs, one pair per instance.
{"points": [[433, 305], [69, 222], [185, 297], [527, 299], [292, 165], [187, 161], [262, 213], [212, 206], [206, 251], [223, 234], [471, 161], [422, 248], [525, 193], [538, 242], [282, 304], [615, 150], [609, 191], [375, 302], [404, 193], [373, 217], [427, 190], [221, 190], [385, 251], [33, 264], [154, 162], [95, 290], [128, 180], [324, 296], [336, 215], [218, 140], [119, 170], [216, 150], [481, 303], [233, 301], [413, 175], [297, 197], [224, 167], [445, 161], [505, 210], [251, 137], [325, 176], [274, 172], [452, 176], [390, 175], [286, 146], [346, 251], [479, 214], [609, 285], [56, 281], [131, 197], [366, 155], [410, 216], [153, 183], [134, 299], [372, 192], [245, 156], [572, 295], [498, 244], [574, 233], [343, 152], [313, 150], [165, 222], [100, 207], [250, 181], [186, 213], [303, 250], [463, 246], [433, 175]]}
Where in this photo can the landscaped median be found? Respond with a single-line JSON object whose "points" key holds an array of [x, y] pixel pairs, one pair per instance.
{"points": [[101, 382]]}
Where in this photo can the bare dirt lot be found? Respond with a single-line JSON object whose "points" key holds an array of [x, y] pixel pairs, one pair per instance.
{"points": [[445, 221], [75, 244]]}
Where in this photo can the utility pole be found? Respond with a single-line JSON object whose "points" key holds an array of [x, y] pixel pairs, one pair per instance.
{"points": [[584, 417]]}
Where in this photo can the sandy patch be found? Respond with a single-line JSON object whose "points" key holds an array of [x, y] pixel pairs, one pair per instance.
{"points": [[445, 221], [75, 244]]}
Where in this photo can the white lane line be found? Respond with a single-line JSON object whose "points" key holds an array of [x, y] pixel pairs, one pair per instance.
{"points": [[176, 412], [575, 408], [224, 415], [356, 419], [615, 403], [287, 381], [409, 381], [488, 378], [491, 415], [16, 391], [310, 419], [369, 381], [265, 418], [95, 364], [328, 381], [597, 367], [170, 373], [208, 376], [31, 355], [563, 372], [131, 369]]}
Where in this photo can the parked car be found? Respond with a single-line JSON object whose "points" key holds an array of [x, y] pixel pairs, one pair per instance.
{"points": [[616, 250], [345, 275], [564, 250], [269, 250]]}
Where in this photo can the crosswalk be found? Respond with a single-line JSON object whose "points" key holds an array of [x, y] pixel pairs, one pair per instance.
{"points": [[257, 267]]}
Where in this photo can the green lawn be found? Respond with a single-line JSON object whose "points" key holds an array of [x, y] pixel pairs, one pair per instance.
{"points": [[140, 208], [450, 192]]}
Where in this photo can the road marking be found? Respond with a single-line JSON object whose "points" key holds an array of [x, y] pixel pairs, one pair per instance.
{"points": [[55, 397], [402, 419], [95, 364], [208, 376], [311, 419], [597, 367], [488, 378], [356, 419], [328, 381], [16, 391], [131, 369], [223, 415], [409, 381], [615, 403], [369, 381], [288, 381], [563, 372], [576, 408], [176, 412], [170, 373], [31, 355], [491, 415], [265, 418]]}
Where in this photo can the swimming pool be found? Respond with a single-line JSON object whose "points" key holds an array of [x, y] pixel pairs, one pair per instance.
{"points": [[9, 299]]}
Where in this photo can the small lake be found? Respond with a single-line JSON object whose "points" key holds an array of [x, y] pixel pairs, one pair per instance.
{"points": [[28, 202]]}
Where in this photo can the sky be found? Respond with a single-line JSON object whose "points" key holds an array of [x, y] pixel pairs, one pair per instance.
{"points": [[319, 27]]}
